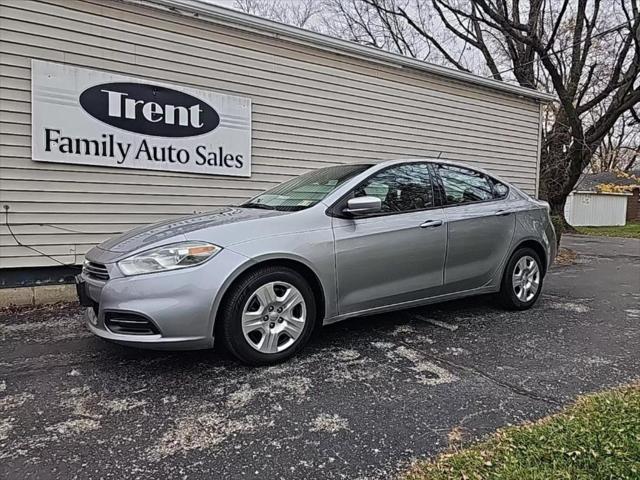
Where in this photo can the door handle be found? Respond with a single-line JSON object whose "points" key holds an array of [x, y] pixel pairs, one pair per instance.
{"points": [[431, 223], [502, 213]]}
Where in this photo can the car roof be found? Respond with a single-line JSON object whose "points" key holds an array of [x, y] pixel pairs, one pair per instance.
{"points": [[453, 163], [379, 165], [385, 163], [410, 160], [442, 161], [426, 160]]}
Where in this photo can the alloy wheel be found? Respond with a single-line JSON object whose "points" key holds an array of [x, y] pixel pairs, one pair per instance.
{"points": [[526, 278], [274, 317]]}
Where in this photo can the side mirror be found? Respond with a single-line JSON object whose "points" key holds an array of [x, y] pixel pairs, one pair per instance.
{"points": [[363, 205]]}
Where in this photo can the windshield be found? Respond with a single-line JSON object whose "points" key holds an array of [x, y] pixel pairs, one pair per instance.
{"points": [[306, 190]]}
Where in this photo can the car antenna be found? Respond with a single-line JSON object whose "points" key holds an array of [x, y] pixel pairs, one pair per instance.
{"points": [[439, 154]]}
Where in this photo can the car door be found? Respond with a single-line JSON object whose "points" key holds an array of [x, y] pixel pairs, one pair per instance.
{"points": [[396, 255], [480, 227]]}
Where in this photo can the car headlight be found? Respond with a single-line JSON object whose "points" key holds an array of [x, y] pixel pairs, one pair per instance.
{"points": [[168, 257]]}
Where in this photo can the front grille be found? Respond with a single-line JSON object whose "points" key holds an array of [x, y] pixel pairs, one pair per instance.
{"points": [[95, 270], [129, 324]]}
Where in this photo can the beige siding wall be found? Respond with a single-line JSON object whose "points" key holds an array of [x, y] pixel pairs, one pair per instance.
{"points": [[311, 108]]}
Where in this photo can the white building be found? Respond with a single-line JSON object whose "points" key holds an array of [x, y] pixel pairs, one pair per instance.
{"points": [[596, 209], [286, 100]]}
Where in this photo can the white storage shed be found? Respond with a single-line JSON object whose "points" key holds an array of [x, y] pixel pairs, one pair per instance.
{"points": [[594, 209]]}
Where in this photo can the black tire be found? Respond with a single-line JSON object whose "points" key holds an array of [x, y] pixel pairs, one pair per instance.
{"points": [[507, 295], [229, 327]]}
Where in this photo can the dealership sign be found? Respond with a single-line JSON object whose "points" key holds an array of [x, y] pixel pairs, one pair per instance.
{"points": [[89, 117]]}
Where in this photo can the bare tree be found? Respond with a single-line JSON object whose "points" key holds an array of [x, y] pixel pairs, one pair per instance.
{"points": [[369, 25], [620, 147], [299, 13], [586, 53], [416, 32]]}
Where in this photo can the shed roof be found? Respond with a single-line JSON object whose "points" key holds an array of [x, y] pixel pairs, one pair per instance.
{"points": [[217, 14], [590, 181]]}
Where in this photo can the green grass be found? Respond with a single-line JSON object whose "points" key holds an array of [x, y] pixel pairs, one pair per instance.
{"points": [[630, 230], [597, 438]]}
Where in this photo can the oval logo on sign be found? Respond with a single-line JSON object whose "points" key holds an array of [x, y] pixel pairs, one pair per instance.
{"points": [[149, 109]]}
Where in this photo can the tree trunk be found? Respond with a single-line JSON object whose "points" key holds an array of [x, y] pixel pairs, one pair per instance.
{"points": [[559, 220], [557, 177], [557, 208]]}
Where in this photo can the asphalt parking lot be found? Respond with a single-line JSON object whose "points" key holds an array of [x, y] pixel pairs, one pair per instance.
{"points": [[363, 400]]}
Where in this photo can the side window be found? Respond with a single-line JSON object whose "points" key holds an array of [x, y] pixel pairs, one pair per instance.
{"points": [[500, 190], [401, 189], [462, 185]]}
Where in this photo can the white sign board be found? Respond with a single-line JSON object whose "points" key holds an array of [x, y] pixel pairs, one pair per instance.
{"points": [[89, 117]]}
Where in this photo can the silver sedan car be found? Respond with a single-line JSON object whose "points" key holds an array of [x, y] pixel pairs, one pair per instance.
{"points": [[335, 243]]}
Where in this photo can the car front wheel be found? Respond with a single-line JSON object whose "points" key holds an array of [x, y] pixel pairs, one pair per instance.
{"points": [[522, 280], [268, 316]]}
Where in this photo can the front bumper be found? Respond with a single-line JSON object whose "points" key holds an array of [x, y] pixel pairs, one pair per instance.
{"points": [[181, 304], [153, 342]]}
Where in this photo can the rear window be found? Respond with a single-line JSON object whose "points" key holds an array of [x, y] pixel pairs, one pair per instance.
{"points": [[462, 185], [500, 190]]}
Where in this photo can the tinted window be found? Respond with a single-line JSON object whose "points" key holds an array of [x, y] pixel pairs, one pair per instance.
{"points": [[401, 189], [500, 190], [462, 185]]}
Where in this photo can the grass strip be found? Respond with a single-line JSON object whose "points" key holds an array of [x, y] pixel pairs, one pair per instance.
{"points": [[598, 437], [630, 230]]}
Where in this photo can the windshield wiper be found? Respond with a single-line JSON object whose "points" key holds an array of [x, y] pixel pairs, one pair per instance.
{"points": [[257, 205]]}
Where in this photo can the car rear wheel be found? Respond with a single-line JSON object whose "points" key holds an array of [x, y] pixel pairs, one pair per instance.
{"points": [[268, 316], [522, 280]]}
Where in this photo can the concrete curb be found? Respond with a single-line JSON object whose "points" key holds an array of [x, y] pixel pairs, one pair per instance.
{"points": [[37, 295]]}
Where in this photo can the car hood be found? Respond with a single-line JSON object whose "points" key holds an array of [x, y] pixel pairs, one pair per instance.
{"points": [[177, 229]]}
